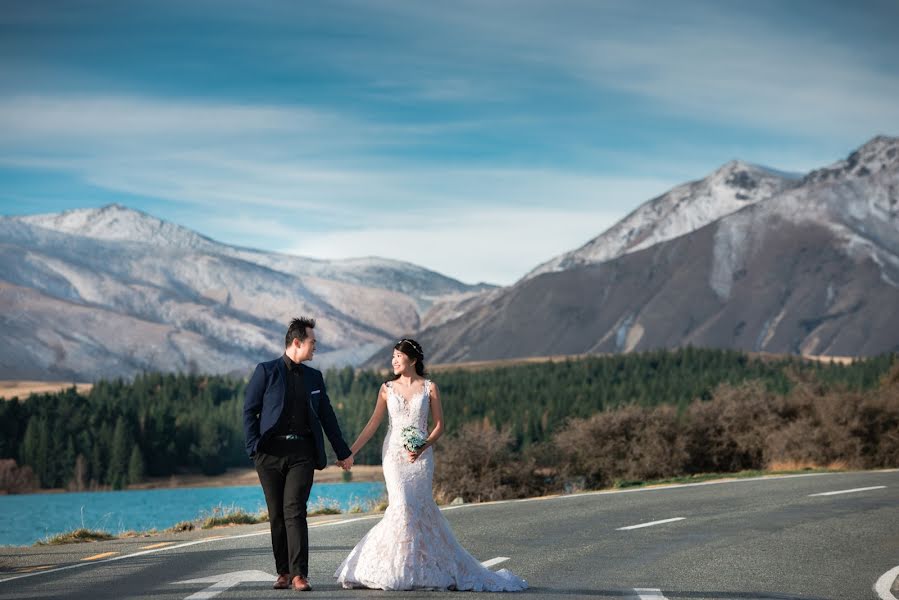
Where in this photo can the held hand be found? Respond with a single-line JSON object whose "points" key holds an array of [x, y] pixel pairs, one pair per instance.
{"points": [[347, 463]]}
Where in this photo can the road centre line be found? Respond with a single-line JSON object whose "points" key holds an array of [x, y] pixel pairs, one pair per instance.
{"points": [[30, 569], [465, 506], [649, 594], [100, 556], [650, 524], [884, 584], [852, 491], [159, 545], [495, 561]]}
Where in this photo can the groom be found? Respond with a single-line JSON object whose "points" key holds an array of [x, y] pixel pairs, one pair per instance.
{"points": [[285, 409]]}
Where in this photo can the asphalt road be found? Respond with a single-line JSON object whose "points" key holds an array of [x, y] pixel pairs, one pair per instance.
{"points": [[753, 539]]}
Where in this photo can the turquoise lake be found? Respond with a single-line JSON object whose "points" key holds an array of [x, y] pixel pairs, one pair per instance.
{"points": [[27, 518]]}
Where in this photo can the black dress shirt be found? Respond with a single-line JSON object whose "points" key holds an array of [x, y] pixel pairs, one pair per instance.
{"points": [[295, 418]]}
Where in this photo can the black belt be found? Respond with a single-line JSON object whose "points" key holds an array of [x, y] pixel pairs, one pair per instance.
{"points": [[291, 437]]}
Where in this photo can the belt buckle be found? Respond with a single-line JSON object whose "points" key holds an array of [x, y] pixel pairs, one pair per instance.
{"points": [[291, 437]]}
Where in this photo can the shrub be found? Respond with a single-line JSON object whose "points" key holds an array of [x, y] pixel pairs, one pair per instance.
{"points": [[231, 515], [478, 465], [15, 479], [324, 506], [76, 536], [630, 443]]}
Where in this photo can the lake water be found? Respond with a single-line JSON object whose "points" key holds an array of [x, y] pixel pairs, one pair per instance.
{"points": [[27, 518]]}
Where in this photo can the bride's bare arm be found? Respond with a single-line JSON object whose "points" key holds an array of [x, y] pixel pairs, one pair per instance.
{"points": [[437, 431], [437, 415], [373, 423]]}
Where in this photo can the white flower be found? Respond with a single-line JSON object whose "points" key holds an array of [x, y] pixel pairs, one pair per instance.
{"points": [[413, 438]]}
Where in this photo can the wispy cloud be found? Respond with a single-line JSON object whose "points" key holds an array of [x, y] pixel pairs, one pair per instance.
{"points": [[100, 117], [785, 86], [457, 125], [495, 246]]}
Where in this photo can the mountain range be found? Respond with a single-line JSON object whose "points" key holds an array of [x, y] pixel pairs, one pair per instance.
{"points": [[111, 292], [747, 257]]}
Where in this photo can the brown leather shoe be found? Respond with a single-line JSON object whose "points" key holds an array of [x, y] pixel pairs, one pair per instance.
{"points": [[300, 584], [282, 582]]}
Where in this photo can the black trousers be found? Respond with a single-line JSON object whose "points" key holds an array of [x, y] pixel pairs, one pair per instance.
{"points": [[285, 470]]}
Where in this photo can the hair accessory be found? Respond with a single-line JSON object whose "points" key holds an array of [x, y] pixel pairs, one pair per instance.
{"points": [[415, 346]]}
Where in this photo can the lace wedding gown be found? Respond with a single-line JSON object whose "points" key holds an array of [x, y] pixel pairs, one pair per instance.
{"points": [[413, 547]]}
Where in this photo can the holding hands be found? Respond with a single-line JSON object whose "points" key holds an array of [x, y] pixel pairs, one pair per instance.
{"points": [[346, 464]]}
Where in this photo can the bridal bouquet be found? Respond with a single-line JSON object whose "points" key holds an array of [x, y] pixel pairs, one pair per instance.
{"points": [[413, 438]]}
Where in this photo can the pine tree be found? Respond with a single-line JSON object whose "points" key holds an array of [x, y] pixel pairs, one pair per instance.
{"points": [[208, 449], [117, 472], [79, 475], [136, 466]]}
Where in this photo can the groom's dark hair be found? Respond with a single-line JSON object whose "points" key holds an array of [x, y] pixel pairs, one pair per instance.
{"points": [[297, 330]]}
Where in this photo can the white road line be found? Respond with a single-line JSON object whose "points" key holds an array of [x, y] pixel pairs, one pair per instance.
{"points": [[649, 594], [650, 524], [224, 582], [495, 561], [852, 491], [883, 586]]}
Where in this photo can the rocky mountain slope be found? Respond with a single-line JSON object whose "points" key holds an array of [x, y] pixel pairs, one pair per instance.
{"points": [[112, 291], [809, 265]]}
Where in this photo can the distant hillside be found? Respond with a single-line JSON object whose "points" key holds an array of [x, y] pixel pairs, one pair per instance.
{"points": [[112, 292], [798, 266]]}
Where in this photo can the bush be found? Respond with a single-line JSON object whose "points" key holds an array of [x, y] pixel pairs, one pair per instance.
{"points": [[231, 515], [76, 536], [478, 465], [630, 443], [324, 506], [746, 427], [15, 479], [728, 433]]}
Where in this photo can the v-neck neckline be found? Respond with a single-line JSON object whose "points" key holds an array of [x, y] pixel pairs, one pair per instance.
{"points": [[413, 396]]}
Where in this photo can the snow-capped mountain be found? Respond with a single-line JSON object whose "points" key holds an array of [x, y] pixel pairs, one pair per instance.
{"points": [[111, 292], [808, 265], [119, 223], [684, 209]]}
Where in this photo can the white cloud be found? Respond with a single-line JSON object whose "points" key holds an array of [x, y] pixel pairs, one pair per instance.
{"points": [[739, 65], [779, 84], [492, 246], [476, 244], [96, 117]]}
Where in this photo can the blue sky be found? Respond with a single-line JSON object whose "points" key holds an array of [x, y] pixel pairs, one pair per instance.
{"points": [[474, 138]]}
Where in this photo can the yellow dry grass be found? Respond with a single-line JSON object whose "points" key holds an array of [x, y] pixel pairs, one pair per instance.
{"points": [[248, 476], [23, 389], [804, 465], [509, 362]]}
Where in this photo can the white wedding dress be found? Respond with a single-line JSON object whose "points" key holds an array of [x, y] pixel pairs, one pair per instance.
{"points": [[413, 547]]}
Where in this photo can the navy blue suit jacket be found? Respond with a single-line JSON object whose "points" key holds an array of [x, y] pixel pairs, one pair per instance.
{"points": [[264, 403]]}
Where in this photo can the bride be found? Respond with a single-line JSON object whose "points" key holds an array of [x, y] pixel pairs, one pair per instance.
{"points": [[413, 547]]}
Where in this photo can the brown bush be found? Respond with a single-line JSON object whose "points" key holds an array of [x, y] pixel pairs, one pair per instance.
{"points": [[748, 427], [742, 427], [477, 464], [15, 479], [629, 443], [728, 432]]}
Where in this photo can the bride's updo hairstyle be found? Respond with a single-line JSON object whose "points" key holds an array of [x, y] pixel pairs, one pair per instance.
{"points": [[413, 350]]}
